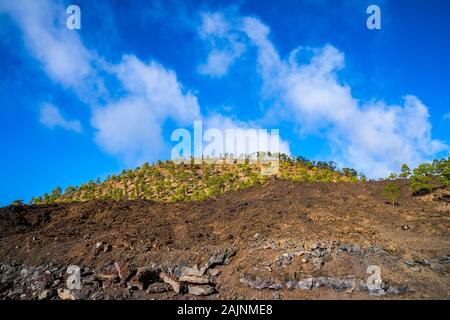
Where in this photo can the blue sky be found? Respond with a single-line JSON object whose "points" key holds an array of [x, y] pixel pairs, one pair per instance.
{"points": [[81, 104]]}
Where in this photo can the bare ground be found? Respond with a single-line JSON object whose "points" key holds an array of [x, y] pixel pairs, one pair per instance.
{"points": [[279, 240]]}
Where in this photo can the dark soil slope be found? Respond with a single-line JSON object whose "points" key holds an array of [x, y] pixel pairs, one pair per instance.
{"points": [[279, 240]]}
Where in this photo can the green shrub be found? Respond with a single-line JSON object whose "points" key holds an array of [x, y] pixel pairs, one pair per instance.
{"points": [[421, 180], [406, 172], [17, 203], [442, 171], [392, 193]]}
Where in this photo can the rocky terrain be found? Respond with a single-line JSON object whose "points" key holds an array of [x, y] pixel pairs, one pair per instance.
{"points": [[276, 240]]}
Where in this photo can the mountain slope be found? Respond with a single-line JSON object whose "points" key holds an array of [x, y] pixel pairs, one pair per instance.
{"points": [[280, 235], [167, 182]]}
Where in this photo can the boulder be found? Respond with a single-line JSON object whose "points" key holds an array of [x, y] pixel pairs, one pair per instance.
{"points": [[220, 257], [124, 271], [260, 283], [135, 284], [197, 290], [393, 291], [195, 279], [159, 287], [102, 246], [305, 284], [213, 272], [66, 294], [177, 286], [335, 284], [184, 270], [107, 276], [318, 263], [45, 295], [148, 274]]}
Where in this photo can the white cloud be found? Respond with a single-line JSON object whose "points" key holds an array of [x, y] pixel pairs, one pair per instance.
{"points": [[128, 129], [258, 34], [51, 117], [213, 24], [379, 138], [225, 46], [160, 87], [374, 137], [59, 50], [218, 63], [131, 128]]}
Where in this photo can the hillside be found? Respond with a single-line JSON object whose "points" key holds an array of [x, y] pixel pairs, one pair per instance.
{"points": [[280, 239], [167, 231], [165, 181]]}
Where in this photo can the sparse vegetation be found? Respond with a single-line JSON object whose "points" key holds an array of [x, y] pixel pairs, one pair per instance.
{"points": [[17, 203], [429, 176], [166, 181], [426, 177], [421, 179]]}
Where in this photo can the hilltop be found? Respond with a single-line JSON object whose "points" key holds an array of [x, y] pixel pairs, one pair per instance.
{"points": [[170, 182], [166, 181]]}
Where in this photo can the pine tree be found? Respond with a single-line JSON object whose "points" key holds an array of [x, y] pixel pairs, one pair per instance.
{"points": [[406, 172], [392, 193]]}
